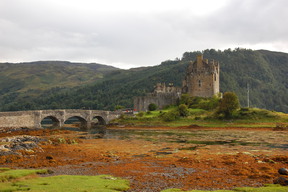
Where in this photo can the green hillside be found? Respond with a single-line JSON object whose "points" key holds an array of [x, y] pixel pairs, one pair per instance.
{"points": [[265, 71], [47, 74], [25, 81]]}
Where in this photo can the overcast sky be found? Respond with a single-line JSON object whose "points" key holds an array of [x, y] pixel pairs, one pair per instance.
{"points": [[133, 33]]}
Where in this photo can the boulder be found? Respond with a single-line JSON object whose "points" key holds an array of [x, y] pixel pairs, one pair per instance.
{"points": [[281, 180], [283, 171]]}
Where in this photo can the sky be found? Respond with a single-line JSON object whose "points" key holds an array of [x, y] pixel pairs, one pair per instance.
{"points": [[135, 33]]}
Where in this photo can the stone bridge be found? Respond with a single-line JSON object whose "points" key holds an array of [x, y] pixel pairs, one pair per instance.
{"points": [[33, 119]]}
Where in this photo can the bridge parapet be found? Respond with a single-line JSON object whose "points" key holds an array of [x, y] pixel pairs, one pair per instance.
{"points": [[32, 119]]}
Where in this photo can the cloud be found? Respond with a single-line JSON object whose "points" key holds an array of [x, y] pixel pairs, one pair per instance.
{"points": [[132, 33]]}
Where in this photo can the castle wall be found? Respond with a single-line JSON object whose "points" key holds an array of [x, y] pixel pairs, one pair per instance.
{"points": [[202, 80], [203, 85], [161, 100], [216, 84]]}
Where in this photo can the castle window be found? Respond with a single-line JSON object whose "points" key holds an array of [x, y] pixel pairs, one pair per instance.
{"points": [[215, 77], [200, 83]]}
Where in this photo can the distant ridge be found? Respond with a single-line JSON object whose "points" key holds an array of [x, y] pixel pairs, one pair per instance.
{"points": [[105, 87]]}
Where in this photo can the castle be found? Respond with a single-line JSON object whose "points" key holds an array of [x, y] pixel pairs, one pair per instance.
{"points": [[161, 96], [202, 80]]}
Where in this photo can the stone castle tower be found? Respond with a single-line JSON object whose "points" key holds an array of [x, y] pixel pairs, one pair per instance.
{"points": [[202, 78]]}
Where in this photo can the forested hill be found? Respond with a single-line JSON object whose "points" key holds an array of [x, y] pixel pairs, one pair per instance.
{"points": [[266, 73], [21, 83], [47, 74]]}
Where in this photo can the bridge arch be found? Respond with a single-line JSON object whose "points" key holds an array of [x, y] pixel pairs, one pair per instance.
{"points": [[50, 122], [72, 119], [57, 117], [98, 120]]}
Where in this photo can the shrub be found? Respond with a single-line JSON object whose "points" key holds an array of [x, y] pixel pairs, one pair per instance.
{"points": [[171, 115], [185, 99], [209, 103], [152, 107], [195, 101], [254, 113], [140, 114], [200, 102], [183, 110], [122, 116], [228, 104]]}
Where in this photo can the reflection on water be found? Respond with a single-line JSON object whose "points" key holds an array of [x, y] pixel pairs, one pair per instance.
{"points": [[192, 138], [196, 138], [94, 132]]}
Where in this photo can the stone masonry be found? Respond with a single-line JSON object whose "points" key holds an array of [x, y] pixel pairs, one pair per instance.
{"points": [[32, 119], [162, 96], [201, 80]]}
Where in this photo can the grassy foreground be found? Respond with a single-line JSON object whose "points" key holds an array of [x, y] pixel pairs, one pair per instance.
{"points": [[28, 180], [249, 118]]}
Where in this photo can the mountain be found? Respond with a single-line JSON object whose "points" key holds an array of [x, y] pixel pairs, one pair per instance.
{"points": [[47, 74], [26, 81], [266, 73]]}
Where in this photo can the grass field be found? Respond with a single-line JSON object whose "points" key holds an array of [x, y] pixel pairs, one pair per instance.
{"points": [[252, 117], [28, 180]]}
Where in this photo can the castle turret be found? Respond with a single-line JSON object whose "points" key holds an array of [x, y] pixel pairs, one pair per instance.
{"points": [[202, 78], [199, 61]]}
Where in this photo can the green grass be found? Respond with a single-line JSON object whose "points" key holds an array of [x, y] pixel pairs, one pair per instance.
{"points": [[247, 118], [17, 180], [7, 175], [267, 188], [202, 123]]}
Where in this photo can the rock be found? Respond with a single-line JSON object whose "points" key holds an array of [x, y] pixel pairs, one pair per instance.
{"points": [[24, 145], [19, 143], [281, 180], [283, 171], [49, 157], [8, 152]]}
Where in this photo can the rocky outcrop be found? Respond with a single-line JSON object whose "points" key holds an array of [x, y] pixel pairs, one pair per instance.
{"points": [[283, 180], [14, 145]]}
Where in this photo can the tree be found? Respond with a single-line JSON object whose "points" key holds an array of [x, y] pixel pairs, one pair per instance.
{"points": [[183, 110], [228, 104], [185, 99], [118, 107], [152, 107]]}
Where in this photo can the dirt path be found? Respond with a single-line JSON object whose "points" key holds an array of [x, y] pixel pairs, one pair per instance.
{"points": [[158, 158]]}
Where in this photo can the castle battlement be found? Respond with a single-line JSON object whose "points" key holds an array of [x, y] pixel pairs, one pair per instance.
{"points": [[162, 88], [202, 80]]}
